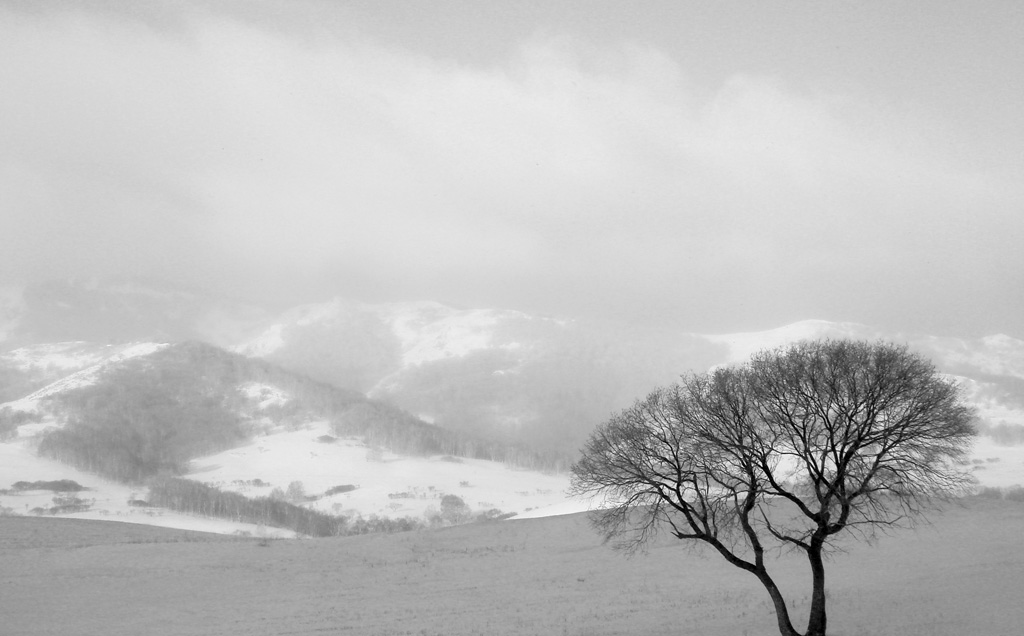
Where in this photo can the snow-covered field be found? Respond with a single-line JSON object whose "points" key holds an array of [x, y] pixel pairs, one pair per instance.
{"points": [[386, 484], [108, 499], [961, 574]]}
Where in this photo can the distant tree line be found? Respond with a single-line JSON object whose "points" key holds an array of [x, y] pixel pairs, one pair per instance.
{"points": [[57, 485], [193, 497]]}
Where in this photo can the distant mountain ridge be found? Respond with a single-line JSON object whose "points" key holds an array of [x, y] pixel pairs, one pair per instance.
{"points": [[499, 373], [552, 380]]}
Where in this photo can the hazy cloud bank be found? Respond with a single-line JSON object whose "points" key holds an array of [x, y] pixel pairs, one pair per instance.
{"points": [[297, 162]]}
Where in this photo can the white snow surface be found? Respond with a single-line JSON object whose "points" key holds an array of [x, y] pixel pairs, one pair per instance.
{"points": [[18, 462], [388, 486], [431, 331], [394, 486], [272, 338], [264, 395], [58, 356], [265, 343]]}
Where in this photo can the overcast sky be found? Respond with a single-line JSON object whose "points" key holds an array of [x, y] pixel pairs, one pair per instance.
{"points": [[710, 165]]}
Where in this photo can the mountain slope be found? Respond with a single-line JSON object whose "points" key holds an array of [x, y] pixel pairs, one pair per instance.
{"points": [[501, 374], [548, 382], [244, 426]]}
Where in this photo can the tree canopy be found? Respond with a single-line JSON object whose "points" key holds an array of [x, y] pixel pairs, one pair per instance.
{"points": [[789, 449]]}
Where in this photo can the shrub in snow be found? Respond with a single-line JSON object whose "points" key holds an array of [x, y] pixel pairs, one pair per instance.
{"points": [[335, 490], [454, 510], [59, 485], [296, 492], [1014, 493]]}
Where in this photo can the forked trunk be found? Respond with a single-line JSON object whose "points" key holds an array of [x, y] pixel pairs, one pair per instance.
{"points": [[781, 611], [818, 621]]}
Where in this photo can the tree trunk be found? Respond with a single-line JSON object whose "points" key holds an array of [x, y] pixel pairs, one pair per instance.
{"points": [[781, 611], [818, 621]]}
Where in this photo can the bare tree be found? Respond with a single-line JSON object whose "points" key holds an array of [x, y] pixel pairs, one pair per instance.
{"points": [[788, 450]]}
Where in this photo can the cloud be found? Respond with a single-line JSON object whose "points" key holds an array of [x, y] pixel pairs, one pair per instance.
{"points": [[296, 162]]}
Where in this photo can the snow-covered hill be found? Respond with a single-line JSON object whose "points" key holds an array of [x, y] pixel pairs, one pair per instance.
{"points": [[990, 369], [68, 365], [993, 355], [505, 372], [369, 347], [289, 448], [500, 366], [425, 331]]}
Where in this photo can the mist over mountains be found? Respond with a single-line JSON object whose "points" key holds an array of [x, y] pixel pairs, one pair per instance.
{"points": [[499, 373], [375, 411], [126, 310]]}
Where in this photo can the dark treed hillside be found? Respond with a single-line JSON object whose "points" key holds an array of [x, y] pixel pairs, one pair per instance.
{"points": [[151, 415]]}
